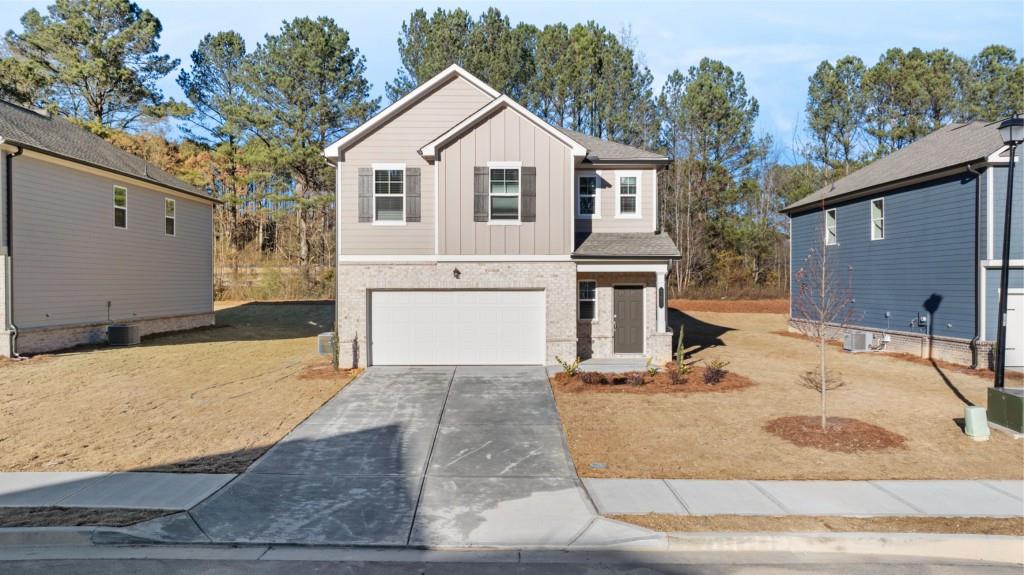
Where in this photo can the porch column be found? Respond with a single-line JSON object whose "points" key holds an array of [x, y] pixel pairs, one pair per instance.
{"points": [[662, 301]]}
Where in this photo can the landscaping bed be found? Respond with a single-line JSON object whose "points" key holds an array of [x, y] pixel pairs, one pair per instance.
{"points": [[645, 383], [747, 523], [208, 400], [75, 516], [653, 433]]}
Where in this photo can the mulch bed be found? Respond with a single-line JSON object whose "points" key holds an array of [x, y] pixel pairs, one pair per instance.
{"points": [[75, 516], [732, 305], [325, 371], [844, 434], [661, 382]]}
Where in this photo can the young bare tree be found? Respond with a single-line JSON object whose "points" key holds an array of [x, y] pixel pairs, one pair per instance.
{"points": [[822, 307]]}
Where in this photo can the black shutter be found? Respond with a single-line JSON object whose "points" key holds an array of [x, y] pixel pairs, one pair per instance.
{"points": [[412, 194], [365, 194], [529, 194], [481, 183]]}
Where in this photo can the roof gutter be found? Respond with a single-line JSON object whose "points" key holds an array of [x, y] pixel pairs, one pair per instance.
{"points": [[8, 252]]}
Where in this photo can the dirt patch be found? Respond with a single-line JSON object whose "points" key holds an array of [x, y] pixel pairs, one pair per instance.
{"points": [[659, 383], [722, 435], [745, 523], [802, 337], [75, 516], [841, 434], [326, 371], [731, 305], [208, 401]]}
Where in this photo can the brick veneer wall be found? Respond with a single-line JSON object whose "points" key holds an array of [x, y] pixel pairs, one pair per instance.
{"points": [[40, 340], [596, 338]]}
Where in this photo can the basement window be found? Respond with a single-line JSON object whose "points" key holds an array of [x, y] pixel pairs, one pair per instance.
{"points": [[120, 207]]}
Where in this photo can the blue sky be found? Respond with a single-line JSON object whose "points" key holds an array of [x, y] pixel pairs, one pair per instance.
{"points": [[775, 44]]}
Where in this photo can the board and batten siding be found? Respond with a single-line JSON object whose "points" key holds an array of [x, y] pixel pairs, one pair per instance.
{"points": [[506, 136], [608, 223], [399, 141], [925, 261], [70, 260]]}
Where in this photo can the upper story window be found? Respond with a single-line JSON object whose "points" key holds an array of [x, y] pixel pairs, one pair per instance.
{"points": [[830, 227], [388, 194], [627, 203], [169, 217], [878, 219], [588, 300], [120, 207], [504, 194], [588, 199]]}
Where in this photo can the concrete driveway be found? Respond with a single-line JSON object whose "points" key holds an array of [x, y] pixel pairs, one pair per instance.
{"points": [[424, 456]]}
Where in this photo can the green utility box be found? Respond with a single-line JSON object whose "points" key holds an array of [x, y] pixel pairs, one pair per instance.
{"points": [[1006, 407]]}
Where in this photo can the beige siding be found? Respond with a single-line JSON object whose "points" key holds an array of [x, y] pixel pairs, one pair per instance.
{"points": [[70, 260], [608, 222], [398, 141], [510, 137]]}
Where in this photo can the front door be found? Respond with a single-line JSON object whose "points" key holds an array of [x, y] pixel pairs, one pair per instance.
{"points": [[629, 319]]}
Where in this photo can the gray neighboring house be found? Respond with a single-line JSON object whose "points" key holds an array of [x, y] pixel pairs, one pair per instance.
{"points": [[471, 231], [92, 235], [920, 232]]}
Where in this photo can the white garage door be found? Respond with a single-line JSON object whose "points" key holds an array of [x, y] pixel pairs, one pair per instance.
{"points": [[456, 327]]}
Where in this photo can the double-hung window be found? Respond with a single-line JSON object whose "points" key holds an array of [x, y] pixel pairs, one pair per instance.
{"points": [[504, 194], [169, 217], [588, 300], [628, 195], [389, 194], [830, 227], [120, 207], [587, 202], [878, 219]]}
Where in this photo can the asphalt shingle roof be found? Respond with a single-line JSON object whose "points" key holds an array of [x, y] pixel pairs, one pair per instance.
{"points": [[59, 137], [599, 150], [618, 245], [952, 145]]}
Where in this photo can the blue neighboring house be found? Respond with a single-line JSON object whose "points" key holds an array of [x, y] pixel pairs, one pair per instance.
{"points": [[916, 237]]}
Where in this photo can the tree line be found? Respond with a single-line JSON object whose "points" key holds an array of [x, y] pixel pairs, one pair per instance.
{"points": [[254, 121]]}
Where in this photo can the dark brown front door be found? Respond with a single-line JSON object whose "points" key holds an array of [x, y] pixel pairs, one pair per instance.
{"points": [[629, 319]]}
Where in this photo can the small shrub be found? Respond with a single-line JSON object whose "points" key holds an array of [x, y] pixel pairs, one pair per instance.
{"points": [[715, 371], [635, 378], [591, 378], [680, 373], [652, 369], [680, 347], [568, 368]]}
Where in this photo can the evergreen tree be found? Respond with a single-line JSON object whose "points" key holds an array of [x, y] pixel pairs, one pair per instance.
{"points": [[836, 108], [997, 84]]}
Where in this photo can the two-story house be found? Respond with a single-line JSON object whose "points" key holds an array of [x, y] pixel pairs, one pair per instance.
{"points": [[471, 231], [916, 239]]}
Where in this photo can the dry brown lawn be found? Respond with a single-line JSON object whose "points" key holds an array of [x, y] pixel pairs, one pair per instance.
{"points": [[722, 436], [811, 524], [208, 400]]}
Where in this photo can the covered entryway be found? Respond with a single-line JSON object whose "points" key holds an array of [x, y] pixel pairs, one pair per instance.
{"points": [[457, 327]]}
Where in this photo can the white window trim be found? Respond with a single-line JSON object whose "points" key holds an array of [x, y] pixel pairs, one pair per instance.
{"points": [[405, 202], [835, 221], [518, 166], [174, 217], [113, 200], [618, 195], [871, 217], [578, 300], [597, 195]]}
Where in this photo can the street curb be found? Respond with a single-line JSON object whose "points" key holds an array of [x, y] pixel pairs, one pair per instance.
{"points": [[45, 536]]}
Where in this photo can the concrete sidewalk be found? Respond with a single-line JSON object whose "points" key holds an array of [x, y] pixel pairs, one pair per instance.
{"points": [[979, 498], [127, 490]]}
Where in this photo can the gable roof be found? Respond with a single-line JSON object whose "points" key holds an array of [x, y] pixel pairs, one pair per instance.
{"points": [[606, 151], [56, 136], [406, 102], [429, 151], [948, 147]]}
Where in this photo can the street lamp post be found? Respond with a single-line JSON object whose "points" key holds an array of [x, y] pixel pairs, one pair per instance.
{"points": [[1012, 132]]}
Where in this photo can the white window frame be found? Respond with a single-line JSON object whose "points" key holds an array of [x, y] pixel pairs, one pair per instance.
{"points": [[117, 207], [173, 218], [618, 195], [518, 166], [579, 317], [597, 195], [405, 201], [871, 214], [835, 227]]}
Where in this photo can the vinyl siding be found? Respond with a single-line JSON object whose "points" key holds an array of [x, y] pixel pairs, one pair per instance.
{"points": [[608, 223], [992, 276], [927, 254], [505, 136], [70, 260], [1000, 174], [398, 141]]}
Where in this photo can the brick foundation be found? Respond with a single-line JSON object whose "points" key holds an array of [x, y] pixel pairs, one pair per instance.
{"points": [[45, 339]]}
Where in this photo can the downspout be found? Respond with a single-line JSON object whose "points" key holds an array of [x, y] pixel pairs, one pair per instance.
{"points": [[977, 263], [9, 255]]}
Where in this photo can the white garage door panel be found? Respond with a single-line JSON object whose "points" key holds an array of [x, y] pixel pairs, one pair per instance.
{"points": [[457, 327]]}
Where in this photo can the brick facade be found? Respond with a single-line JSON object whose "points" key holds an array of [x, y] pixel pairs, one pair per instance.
{"points": [[596, 338], [40, 340]]}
